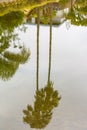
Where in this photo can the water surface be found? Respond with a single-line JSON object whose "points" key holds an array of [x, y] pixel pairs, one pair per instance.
{"points": [[68, 74]]}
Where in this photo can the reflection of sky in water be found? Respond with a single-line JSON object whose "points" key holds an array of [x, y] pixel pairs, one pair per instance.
{"points": [[69, 74]]}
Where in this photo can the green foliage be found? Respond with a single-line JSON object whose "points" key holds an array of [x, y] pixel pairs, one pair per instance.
{"points": [[8, 23], [44, 14], [45, 100], [11, 20], [77, 16], [63, 3], [83, 10], [21, 57], [7, 68], [45, 11], [81, 3], [3, 46], [14, 5], [21, 5], [10, 61], [34, 1]]}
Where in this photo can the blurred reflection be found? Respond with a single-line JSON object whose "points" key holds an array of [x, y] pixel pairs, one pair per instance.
{"points": [[77, 10], [57, 19], [8, 25], [46, 99], [78, 13], [12, 53]]}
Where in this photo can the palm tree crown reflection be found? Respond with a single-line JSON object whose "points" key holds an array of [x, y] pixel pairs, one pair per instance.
{"points": [[46, 99]]}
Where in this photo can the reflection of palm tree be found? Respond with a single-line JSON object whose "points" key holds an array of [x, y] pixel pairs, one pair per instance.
{"points": [[50, 45], [37, 59], [71, 3], [46, 98]]}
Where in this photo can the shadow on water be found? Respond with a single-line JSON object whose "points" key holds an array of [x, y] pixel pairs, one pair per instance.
{"points": [[46, 99]]}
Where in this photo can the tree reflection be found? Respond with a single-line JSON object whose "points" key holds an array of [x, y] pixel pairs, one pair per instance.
{"points": [[78, 13], [50, 44], [8, 23], [37, 51], [20, 57], [7, 68], [46, 99], [10, 60], [40, 114]]}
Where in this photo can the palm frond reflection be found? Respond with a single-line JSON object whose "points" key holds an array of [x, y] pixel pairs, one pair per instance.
{"points": [[45, 99]]}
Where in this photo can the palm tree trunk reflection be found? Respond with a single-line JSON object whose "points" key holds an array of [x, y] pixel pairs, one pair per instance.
{"points": [[37, 51], [50, 45], [47, 98], [71, 3]]}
